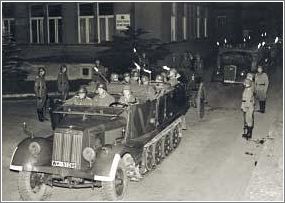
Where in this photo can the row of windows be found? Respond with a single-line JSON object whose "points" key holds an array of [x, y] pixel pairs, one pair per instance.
{"points": [[54, 23]]}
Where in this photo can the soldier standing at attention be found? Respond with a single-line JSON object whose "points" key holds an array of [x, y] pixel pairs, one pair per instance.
{"points": [[40, 89], [62, 82], [261, 87], [103, 98], [80, 99], [247, 106]]}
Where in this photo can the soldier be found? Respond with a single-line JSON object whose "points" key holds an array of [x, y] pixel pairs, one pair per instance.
{"points": [[114, 78], [127, 78], [135, 78], [173, 77], [160, 84], [199, 65], [40, 89], [250, 76], [80, 98], [144, 62], [62, 82], [102, 70], [247, 107], [261, 86], [150, 90], [103, 98], [127, 96]]}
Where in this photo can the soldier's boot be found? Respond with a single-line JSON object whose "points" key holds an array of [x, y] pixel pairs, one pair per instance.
{"points": [[263, 106], [245, 131], [40, 115], [249, 133]]}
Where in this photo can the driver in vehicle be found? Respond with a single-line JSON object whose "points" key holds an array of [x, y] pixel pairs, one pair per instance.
{"points": [[114, 78], [103, 98], [80, 98], [127, 96]]}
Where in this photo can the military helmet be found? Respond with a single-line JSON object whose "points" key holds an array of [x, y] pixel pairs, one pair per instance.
{"points": [[42, 69], [159, 78], [247, 83], [102, 85], [249, 76], [126, 75], [114, 77], [135, 74], [82, 89]]}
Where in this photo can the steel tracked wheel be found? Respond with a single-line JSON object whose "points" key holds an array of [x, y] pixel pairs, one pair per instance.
{"points": [[167, 145], [158, 152], [149, 159], [176, 137]]}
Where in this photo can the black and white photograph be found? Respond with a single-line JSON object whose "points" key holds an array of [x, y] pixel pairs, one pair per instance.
{"points": [[142, 101]]}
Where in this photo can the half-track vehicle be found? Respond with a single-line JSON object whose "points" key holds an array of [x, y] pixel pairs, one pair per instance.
{"points": [[93, 146]]}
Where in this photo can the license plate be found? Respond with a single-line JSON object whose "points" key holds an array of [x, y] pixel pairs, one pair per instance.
{"points": [[63, 164]]}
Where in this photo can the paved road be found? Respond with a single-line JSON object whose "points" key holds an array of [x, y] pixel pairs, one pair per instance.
{"points": [[210, 163]]}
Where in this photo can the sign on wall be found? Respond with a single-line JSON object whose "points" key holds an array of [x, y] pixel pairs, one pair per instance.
{"points": [[123, 21]]}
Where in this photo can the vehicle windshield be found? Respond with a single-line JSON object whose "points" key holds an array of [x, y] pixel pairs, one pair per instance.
{"points": [[236, 58], [89, 110]]}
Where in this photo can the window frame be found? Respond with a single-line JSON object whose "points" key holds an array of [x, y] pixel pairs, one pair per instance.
{"points": [[107, 18], [9, 24], [40, 30], [56, 28]]}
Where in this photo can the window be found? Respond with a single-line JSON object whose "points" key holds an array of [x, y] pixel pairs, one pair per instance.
{"points": [[206, 23], [173, 22], [184, 21], [36, 24], [8, 26], [54, 24], [106, 22], [198, 24], [85, 72], [86, 23]]}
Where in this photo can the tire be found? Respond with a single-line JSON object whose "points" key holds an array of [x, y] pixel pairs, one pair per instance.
{"points": [[28, 189], [112, 191]]}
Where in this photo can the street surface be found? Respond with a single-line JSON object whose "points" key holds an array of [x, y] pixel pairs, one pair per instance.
{"points": [[213, 162]]}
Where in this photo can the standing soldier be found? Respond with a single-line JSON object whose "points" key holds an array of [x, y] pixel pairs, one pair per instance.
{"points": [[62, 82], [261, 86], [102, 72], [247, 106], [40, 89]]}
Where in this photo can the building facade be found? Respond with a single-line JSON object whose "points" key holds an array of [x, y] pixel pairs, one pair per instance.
{"points": [[51, 33]]}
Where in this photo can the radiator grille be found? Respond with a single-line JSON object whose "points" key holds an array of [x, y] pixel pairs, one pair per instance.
{"points": [[67, 148], [230, 73]]}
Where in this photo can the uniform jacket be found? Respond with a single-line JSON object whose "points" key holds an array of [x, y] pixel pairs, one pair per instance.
{"points": [[247, 99], [62, 82], [40, 87], [103, 101], [77, 101], [261, 85]]}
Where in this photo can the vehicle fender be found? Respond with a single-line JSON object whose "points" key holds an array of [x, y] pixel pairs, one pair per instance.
{"points": [[106, 163], [22, 158]]}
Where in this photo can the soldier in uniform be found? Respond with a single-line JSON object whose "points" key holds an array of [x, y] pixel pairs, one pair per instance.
{"points": [[127, 96], [261, 86], [80, 98], [114, 78], [161, 85], [173, 75], [127, 78], [103, 98], [96, 76], [40, 89], [247, 106], [135, 78], [62, 82]]}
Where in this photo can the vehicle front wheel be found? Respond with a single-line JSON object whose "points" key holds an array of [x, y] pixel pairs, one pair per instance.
{"points": [[116, 189], [32, 187]]}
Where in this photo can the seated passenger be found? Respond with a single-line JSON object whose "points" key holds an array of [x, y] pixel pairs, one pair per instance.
{"points": [[135, 78], [103, 98], [173, 75], [80, 98], [160, 86], [114, 78], [127, 96], [150, 90], [127, 78]]}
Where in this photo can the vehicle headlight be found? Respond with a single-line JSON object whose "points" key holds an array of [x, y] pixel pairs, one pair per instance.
{"points": [[89, 154], [35, 148], [218, 72], [242, 73]]}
